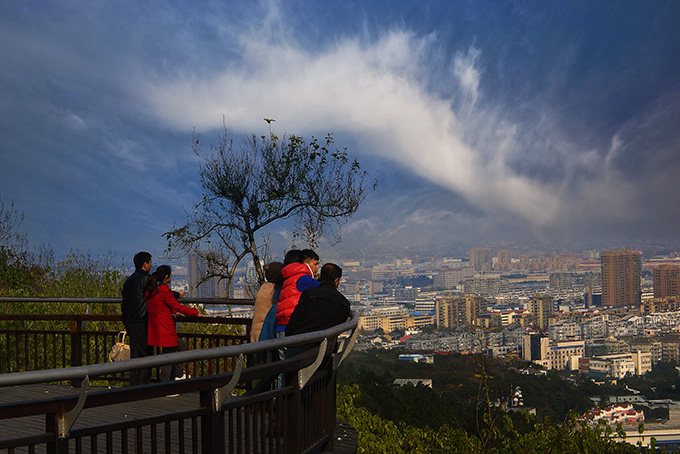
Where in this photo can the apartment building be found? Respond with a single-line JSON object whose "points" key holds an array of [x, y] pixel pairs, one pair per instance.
{"points": [[617, 366], [621, 278], [199, 286], [459, 311], [666, 280]]}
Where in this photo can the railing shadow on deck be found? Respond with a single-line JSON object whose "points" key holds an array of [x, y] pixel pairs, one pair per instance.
{"points": [[239, 403]]}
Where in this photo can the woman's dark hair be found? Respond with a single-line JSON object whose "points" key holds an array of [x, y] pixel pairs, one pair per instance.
{"points": [[272, 271], [292, 256], [158, 276]]}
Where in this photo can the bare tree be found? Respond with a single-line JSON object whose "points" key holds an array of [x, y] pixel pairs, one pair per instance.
{"points": [[11, 237], [264, 180], [21, 266]]}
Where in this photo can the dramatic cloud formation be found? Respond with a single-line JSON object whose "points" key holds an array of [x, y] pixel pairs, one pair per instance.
{"points": [[373, 91], [482, 122]]}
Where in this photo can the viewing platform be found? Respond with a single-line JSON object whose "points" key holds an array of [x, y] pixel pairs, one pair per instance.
{"points": [[60, 394]]}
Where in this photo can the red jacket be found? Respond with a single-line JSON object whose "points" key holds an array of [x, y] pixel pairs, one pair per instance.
{"points": [[160, 305], [298, 277]]}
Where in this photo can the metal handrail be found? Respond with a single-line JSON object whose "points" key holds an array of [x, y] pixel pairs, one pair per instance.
{"points": [[186, 299], [96, 370]]}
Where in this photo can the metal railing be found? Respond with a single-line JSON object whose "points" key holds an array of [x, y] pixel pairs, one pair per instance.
{"points": [[252, 406], [56, 340]]}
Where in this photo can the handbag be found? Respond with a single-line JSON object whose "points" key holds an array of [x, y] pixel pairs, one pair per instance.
{"points": [[120, 351]]}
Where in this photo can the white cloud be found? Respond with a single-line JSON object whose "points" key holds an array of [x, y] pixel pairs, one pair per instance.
{"points": [[376, 90], [467, 73], [373, 90]]}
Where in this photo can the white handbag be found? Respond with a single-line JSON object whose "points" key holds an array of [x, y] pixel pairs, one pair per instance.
{"points": [[120, 351]]}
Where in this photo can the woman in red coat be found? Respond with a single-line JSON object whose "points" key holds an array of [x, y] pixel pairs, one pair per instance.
{"points": [[161, 305]]}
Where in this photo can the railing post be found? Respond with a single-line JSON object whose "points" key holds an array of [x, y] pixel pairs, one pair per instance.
{"points": [[212, 425], [293, 422], [59, 445], [331, 395], [76, 347]]}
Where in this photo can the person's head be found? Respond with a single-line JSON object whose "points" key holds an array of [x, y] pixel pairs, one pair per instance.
{"points": [[311, 258], [162, 275], [142, 261], [331, 272], [292, 256], [272, 271]]}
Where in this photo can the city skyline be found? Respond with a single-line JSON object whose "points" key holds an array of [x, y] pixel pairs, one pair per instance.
{"points": [[524, 124]]}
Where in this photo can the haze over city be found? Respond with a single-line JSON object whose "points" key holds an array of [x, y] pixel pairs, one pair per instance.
{"points": [[484, 123]]}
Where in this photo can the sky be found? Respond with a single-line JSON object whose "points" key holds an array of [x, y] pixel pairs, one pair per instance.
{"points": [[484, 122]]}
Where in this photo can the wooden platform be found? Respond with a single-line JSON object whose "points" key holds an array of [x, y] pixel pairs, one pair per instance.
{"points": [[89, 417], [344, 436]]}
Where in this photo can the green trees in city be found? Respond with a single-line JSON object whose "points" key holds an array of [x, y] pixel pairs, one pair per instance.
{"points": [[465, 411], [494, 436]]}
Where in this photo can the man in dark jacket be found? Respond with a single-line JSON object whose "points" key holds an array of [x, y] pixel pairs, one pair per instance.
{"points": [[319, 308], [135, 318]]}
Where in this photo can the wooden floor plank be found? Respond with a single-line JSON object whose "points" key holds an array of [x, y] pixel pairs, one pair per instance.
{"points": [[22, 427], [345, 437]]}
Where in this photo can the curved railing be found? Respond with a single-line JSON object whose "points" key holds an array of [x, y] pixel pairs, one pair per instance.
{"points": [[48, 338], [250, 405]]}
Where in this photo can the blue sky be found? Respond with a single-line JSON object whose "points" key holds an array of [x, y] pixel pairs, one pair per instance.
{"points": [[484, 122]]}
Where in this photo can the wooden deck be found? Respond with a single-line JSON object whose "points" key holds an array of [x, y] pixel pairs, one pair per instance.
{"points": [[344, 437], [89, 417]]}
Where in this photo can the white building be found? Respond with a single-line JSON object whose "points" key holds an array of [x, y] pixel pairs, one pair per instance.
{"points": [[617, 366]]}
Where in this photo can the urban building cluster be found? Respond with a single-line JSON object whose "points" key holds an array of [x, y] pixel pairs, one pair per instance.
{"points": [[610, 313], [607, 314]]}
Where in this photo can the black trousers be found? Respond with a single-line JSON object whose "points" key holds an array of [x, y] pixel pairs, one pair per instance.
{"points": [[136, 329], [172, 371]]}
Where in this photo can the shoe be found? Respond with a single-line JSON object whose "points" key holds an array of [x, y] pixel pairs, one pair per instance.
{"points": [[183, 377]]}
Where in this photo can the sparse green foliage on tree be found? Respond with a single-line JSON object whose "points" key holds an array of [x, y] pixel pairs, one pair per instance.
{"points": [[22, 268], [250, 186], [27, 271]]}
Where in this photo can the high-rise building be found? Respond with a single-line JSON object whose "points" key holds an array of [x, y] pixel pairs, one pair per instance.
{"points": [[503, 260], [534, 346], [666, 281], [199, 287], [480, 258], [541, 308], [621, 278], [461, 311]]}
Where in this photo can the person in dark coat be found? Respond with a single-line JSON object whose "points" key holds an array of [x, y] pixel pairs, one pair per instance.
{"points": [[133, 308], [319, 308]]}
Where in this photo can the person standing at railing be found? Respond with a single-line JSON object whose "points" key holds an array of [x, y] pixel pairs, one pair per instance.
{"points": [[264, 299], [133, 308], [161, 305], [268, 328], [298, 277], [319, 308]]}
